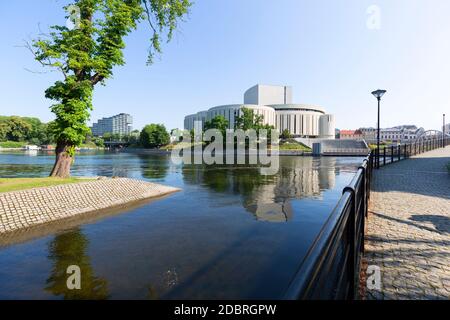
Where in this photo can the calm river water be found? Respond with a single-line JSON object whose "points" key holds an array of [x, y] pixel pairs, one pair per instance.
{"points": [[230, 232]]}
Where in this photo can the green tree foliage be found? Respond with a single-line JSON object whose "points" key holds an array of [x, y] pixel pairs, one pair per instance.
{"points": [[286, 134], [107, 136], [25, 129], [87, 54], [154, 136], [4, 128], [18, 129], [249, 120], [219, 123]]}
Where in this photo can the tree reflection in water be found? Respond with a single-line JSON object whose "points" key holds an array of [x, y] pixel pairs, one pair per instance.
{"points": [[155, 167], [70, 249]]}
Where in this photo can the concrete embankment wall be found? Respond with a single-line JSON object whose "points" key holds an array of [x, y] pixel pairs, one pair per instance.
{"points": [[341, 147], [27, 208]]}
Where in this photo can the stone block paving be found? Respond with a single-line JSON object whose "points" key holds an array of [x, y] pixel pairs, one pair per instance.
{"points": [[408, 229], [27, 208]]}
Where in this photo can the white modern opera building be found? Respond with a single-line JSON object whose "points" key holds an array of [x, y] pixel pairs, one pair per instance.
{"points": [[274, 103]]}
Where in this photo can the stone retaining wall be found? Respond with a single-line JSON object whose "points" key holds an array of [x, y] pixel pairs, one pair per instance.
{"points": [[22, 209]]}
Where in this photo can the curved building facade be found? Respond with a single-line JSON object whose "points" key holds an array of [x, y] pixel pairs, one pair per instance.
{"points": [[274, 103], [195, 121], [232, 111], [299, 119]]}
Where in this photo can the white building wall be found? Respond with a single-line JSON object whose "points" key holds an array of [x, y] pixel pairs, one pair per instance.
{"points": [[274, 103], [267, 95], [231, 112], [327, 126]]}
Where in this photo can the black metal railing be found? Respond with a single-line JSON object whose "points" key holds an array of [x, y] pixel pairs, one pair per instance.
{"points": [[331, 268], [391, 154]]}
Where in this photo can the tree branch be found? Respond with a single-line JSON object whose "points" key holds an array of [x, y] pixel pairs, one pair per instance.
{"points": [[45, 63]]}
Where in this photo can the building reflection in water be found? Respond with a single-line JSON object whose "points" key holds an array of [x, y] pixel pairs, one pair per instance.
{"points": [[268, 198], [69, 249]]}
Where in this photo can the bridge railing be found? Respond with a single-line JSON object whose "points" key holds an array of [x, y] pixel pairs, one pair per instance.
{"points": [[391, 154], [331, 268]]}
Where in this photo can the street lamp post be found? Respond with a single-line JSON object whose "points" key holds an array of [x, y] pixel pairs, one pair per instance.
{"points": [[378, 94]]}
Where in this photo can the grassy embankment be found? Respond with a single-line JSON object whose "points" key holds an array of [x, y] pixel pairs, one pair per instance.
{"points": [[12, 144], [16, 184], [292, 144]]}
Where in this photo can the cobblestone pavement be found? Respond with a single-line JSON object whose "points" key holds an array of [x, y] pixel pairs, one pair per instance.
{"points": [[408, 230], [27, 208]]}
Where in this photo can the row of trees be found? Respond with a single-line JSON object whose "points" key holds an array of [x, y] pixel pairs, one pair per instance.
{"points": [[34, 131], [25, 129], [247, 120]]}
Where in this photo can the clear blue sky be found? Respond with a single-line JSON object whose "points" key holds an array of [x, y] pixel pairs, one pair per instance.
{"points": [[323, 48]]}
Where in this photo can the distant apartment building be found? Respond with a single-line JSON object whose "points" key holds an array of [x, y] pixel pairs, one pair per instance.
{"points": [[369, 134], [351, 134], [118, 124], [447, 128], [395, 134]]}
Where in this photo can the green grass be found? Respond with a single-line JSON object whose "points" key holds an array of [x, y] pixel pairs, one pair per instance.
{"points": [[12, 144], [16, 184], [292, 144]]}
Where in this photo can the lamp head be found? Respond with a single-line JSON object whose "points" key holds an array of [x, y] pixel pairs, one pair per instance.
{"points": [[379, 93]]}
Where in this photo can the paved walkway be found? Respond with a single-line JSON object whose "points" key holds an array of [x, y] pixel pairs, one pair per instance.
{"points": [[408, 231]]}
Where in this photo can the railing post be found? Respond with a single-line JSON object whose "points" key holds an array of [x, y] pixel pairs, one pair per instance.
{"points": [[392, 154], [378, 158], [384, 156], [399, 151], [352, 238]]}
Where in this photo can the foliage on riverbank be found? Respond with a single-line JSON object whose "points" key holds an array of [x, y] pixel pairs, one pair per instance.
{"points": [[23, 130], [16, 184]]}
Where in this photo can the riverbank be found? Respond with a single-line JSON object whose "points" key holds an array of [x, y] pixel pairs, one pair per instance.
{"points": [[32, 207], [168, 152]]}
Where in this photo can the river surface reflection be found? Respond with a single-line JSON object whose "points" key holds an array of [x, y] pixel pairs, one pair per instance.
{"points": [[230, 232]]}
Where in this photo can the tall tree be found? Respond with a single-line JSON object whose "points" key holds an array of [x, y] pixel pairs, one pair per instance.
{"points": [[219, 123], [154, 136], [86, 54], [248, 119]]}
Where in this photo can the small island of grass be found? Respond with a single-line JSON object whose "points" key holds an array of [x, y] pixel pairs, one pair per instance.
{"points": [[17, 184]]}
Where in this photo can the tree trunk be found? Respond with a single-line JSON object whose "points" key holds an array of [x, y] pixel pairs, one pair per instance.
{"points": [[63, 161]]}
